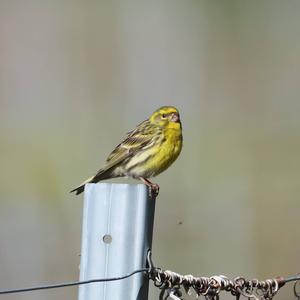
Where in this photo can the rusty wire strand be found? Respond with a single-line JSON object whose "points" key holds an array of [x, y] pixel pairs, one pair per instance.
{"points": [[171, 284], [210, 287]]}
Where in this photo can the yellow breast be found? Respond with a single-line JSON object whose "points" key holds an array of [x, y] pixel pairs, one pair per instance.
{"points": [[168, 151], [157, 158]]}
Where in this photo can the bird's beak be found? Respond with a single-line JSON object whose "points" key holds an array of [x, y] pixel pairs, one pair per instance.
{"points": [[175, 118]]}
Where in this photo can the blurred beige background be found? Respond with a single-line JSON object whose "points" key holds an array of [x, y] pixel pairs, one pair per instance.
{"points": [[75, 76]]}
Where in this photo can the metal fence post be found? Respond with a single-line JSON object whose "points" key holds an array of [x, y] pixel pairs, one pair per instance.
{"points": [[116, 235]]}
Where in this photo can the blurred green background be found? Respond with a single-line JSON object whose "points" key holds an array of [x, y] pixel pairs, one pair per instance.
{"points": [[75, 76]]}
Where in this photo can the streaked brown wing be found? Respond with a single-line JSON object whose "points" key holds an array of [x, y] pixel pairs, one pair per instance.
{"points": [[136, 140]]}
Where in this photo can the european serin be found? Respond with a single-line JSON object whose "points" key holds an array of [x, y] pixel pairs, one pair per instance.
{"points": [[147, 151]]}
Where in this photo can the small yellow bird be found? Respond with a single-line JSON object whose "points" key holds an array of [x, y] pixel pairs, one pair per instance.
{"points": [[146, 151]]}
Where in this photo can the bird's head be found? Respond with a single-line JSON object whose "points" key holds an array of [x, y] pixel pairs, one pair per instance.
{"points": [[167, 117]]}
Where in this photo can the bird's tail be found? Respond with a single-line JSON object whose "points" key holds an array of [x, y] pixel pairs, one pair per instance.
{"points": [[101, 175], [80, 188]]}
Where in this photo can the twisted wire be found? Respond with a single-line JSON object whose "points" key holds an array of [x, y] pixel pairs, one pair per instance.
{"points": [[171, 282]]}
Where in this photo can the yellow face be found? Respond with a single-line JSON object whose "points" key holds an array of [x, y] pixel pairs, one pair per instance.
{"points": [[166, 116]]}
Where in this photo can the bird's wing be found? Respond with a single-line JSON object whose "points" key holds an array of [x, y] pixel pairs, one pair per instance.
{"points": [[136, 140]]}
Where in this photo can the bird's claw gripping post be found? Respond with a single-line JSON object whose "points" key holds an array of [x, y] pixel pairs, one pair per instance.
{"points": [[154, 190], [153, 187]]}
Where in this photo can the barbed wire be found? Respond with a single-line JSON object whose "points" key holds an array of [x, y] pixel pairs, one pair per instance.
{"points": [[173, 284]]}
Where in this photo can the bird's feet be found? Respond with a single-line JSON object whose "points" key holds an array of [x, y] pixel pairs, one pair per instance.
{"points": [[153, 187], [154, 190]]}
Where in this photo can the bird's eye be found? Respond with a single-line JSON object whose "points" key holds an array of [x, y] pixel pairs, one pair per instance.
{"points": [[164, 116]]}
